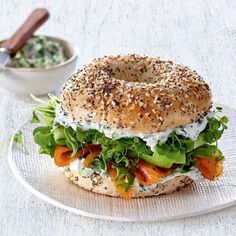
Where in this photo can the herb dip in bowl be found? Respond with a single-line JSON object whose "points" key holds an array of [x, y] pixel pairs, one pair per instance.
{"points": [[42, 65]]}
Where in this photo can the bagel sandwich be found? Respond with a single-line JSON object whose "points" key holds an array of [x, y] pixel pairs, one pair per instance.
{"points": [[132, 126]]}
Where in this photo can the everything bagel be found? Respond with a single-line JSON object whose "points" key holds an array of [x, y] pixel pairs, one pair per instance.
{"points": [[142, 94]]}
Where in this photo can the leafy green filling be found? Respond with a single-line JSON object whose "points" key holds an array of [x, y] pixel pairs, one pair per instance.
{"points": [[124, 153]]}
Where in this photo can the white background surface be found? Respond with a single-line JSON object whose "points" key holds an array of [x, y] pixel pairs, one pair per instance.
{"points": [[200, 34]]}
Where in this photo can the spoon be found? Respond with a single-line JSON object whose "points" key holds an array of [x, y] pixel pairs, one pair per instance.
{"points": [[10, 47]]}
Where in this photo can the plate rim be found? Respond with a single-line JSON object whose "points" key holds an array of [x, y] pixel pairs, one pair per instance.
{"points": [[77, 211]]}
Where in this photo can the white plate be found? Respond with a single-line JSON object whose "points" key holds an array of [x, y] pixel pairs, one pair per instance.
{"points": [[39, 175]]}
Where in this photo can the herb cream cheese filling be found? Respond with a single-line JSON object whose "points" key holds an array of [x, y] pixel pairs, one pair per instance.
{"points": [[77, 167], [189, 131]]}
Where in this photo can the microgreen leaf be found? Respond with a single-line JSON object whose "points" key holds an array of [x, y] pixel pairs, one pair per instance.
{"points": [[34, 118], [18, 137], [224, 120], [124, 178], [215, 127], [205, 151]]}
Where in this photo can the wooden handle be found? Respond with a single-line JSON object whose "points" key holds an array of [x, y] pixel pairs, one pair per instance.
{"points": [[32, 23]]}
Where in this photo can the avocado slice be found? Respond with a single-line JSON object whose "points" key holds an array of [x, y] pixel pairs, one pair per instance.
{"points": [[165, 158]]}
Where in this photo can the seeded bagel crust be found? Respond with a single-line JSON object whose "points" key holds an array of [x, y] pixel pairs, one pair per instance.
{"points": [[97, 184], [135, 93]]}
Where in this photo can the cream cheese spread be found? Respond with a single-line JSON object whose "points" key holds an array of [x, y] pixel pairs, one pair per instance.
{"points": [[191, 130], [194, 174], [77, 167]]}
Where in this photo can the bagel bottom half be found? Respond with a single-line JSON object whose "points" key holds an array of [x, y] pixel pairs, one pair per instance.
{"points": [[98, 184]]}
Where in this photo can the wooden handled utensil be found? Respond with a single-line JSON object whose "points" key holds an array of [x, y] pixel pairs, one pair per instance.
{"points": [[17, 40]]}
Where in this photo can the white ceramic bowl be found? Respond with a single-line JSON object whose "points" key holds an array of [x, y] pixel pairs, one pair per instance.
{"points": [[40, 81]]}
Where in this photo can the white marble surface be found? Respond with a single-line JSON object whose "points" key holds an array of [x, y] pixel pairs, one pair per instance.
{"points": [[201, 34]]}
